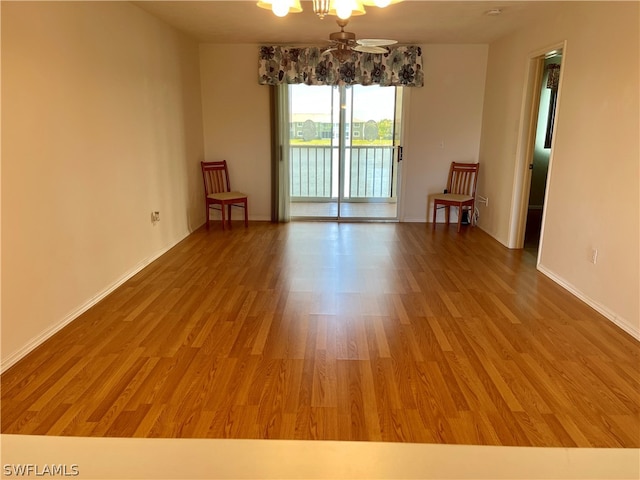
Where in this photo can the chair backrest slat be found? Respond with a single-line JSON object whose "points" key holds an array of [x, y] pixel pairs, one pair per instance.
{"points": [[215, 176], [463, 178]]}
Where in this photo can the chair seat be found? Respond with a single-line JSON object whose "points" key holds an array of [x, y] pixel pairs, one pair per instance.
{"points": [[453, 197], [226, 196]]}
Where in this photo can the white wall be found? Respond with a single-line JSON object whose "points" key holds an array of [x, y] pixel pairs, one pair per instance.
{"points": [[101, 124], [593, 188], [236, 119], [448, 109], [443, 125]]}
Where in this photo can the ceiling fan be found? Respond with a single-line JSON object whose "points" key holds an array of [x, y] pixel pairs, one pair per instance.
{"points": [[343, 43]]}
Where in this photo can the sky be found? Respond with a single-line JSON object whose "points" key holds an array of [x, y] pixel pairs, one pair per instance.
{"points": [[370, 103]]}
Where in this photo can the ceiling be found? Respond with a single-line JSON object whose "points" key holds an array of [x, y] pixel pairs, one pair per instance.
{"points": [[417, 22]]}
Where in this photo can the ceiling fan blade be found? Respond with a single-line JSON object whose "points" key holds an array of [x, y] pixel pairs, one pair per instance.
{"points": [[369, 49], [375, 42]]}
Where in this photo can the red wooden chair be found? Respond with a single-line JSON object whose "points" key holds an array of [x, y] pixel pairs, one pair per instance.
{"points": [[218, 193], [460, 192]]}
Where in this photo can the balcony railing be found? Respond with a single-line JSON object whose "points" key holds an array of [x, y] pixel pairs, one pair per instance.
{"points": [[311, 171], [314, 172]]}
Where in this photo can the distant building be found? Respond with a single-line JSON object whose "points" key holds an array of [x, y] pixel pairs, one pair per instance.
{"points": [[309, 126]]}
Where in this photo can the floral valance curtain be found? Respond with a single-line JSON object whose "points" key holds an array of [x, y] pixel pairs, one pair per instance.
{"points": [[401, 66]]}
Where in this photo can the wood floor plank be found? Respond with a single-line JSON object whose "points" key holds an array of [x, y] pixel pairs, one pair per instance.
{"points": [[370, 332]]}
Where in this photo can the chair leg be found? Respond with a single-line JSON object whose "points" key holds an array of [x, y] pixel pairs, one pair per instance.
{"points": [[435, 210], [246, 215], [472, 214], [206, 214], [224, 220], [459, 217], [447, 209], [229, 215]]}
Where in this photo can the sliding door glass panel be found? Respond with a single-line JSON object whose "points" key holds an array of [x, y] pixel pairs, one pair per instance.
{"points": [[342, 152], [314, 156], [369, 156]]}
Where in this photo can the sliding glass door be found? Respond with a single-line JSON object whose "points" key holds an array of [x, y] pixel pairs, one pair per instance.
{"points": [[343, 152]]}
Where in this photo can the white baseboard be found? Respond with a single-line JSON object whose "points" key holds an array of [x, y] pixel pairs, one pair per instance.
{"points": [[39, 339], [601, 309]]}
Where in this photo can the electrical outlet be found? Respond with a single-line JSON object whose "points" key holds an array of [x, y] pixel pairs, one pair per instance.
{"points": [[155, 217], [594, 255], [484, 200]]}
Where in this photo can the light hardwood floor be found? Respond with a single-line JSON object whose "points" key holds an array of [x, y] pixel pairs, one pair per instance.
{"points": [[392, 332]]}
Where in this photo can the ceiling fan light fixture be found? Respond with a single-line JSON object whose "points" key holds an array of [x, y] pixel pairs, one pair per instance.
{"points": [[342, 54], [281, 7], [343, 9], [346, 9], [321, 8], [379, 3]]}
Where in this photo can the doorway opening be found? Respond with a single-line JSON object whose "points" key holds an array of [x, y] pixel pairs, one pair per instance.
{"points": [[344, 152], [541, 152], [537, 136]]}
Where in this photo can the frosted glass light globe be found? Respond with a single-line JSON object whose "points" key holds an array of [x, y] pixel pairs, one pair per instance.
{"points": [[280, 7], [343, 9]]}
